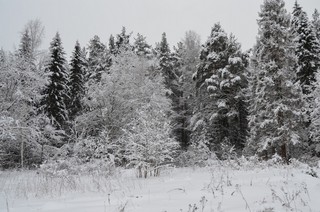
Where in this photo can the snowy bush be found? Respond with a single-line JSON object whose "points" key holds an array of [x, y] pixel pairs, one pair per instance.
{"points": [[92, 148], [16, 140], [74, 166], [21, 138], [127, 117], [60, 168], [88, 156], [148, 145], [196, 155]]}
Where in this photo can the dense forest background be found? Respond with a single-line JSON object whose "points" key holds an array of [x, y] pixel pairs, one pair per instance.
{"points": [[130, 104]]}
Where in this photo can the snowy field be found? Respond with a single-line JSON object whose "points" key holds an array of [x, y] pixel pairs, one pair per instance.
{"points": [[215, 188]]}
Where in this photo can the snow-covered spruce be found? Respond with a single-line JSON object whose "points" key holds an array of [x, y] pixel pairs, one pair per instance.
{"points": [[220, 80], [276, 116]]}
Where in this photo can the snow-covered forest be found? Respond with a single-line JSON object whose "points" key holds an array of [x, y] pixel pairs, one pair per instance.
{"points": [[129, 105]]}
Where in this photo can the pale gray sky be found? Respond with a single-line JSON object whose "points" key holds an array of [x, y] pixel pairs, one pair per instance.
{"points": [[82, 19]]}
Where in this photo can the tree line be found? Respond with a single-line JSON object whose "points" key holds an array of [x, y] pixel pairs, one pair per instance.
{"points": [[143, 106]]}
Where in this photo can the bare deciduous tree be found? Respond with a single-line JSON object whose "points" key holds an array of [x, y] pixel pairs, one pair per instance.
{"points": [[36, 31]]}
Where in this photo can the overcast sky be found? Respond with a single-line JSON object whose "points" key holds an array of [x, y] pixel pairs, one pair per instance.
{"points": [[82, 19]]}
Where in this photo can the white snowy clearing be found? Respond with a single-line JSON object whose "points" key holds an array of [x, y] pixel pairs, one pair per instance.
{"points": [[215, 188]]}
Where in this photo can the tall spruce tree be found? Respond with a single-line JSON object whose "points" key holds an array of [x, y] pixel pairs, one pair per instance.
{"points": [[181, 115], [169, 66], [307, 49], [56, 92], [275, 112], [166, 62], [96, 60], [77, 80], [220, 79]]}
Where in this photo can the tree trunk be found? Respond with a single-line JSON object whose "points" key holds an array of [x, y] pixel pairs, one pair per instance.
{"points": [[284, 153], [41, 157], [22, 150]]}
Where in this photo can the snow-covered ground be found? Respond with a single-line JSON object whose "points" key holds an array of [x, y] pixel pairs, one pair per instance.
{"points": [[215, 188]]}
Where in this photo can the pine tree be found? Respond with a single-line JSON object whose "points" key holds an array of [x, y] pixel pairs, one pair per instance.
{"points": [[96, 60], [275, 112], [55, 94], [307, 49], [141, 47], [220, 80], [77, 80], [316, 23]]}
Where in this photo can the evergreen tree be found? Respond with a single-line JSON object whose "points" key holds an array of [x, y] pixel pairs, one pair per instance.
{"points": [[141, 47], [25, 51], [315, 119], [179, 98], [84, 56], [166, 65], [316, 23], [77, 80], [96, 60], [2, 56], [55, 94], [169, 66], [177, 68], [220, 80], [275, 111], [307, 49], [123, 41], [188, 52], [112, 45]]}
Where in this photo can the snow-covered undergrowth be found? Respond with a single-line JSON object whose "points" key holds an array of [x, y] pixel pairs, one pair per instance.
{"points": [[228, 186]]}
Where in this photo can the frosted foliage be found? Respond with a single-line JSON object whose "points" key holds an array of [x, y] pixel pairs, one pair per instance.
{"points": [[88, 149], [76, 82], [130, 104], [20, 85], [316, 23], [98, 59], [148, 144], [6, 124], [141, 47], [307, 49], [197, 154], [220, 78], [56, 92], [315, 118], [276, 105], [113, 100], [223, 75]]}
